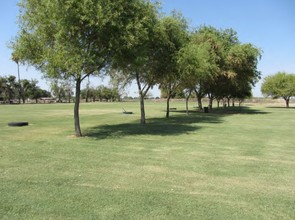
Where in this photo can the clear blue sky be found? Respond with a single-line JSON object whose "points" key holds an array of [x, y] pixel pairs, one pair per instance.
{"points": [[268, 24]]}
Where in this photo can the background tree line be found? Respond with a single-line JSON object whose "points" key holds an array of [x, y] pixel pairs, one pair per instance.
{"points": [[14, 91], [100, 93], [11, 90]]}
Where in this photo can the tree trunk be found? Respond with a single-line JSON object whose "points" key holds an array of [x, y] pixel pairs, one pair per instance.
{"points": [[59, 98], [210, 104], [186, 104], [86, 96], [23, 96], [76, 108], [218, 102], [200, 105], [20, 86], [141, 100], [142, 111], [287, 102], [199, 100], [240, 102], [169, 95], [168, 106], [187, 99], [228, 102]]}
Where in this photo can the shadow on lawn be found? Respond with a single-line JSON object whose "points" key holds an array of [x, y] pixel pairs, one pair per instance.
{"points": [[175, 125], [228, 111], [280, 107], [178, 123], [239, 110]]}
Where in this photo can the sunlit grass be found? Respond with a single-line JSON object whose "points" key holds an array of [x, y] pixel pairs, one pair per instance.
{"points": [[237, 163]]}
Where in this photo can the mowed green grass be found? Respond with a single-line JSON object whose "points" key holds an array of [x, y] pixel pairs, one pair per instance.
{"points": [[228, 164]]}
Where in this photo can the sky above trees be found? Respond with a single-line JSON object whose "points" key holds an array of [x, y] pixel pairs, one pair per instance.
{"points": [[268, 24]]}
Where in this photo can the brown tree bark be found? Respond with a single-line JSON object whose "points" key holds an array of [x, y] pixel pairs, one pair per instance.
{"points": [[287, 102], [168, 105], [142, 110], [76, 108], [142, 93]]}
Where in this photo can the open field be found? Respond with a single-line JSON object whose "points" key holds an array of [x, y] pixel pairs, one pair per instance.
{"points": [[228, 164]]}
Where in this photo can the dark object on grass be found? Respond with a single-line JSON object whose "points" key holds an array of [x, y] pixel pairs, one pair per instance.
{"points": [[172, 109], [206, 109], [125, 112], [18, 124]]}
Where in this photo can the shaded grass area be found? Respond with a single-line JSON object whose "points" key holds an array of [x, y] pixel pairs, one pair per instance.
{"points": [[182, 123], [229, 164], [176, 125]]}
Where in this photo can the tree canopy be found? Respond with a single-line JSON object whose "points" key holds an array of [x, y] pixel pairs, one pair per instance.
{"points": [[279, 85], [9, 89], [171, 35], [74, 39], [216, 64], [132, 40]]}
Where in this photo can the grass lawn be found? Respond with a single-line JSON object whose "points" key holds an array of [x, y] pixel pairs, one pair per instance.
{"points": [[233, 164]]}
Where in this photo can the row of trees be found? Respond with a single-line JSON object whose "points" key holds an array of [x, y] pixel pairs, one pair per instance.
{"points": [[279, 85], [11, 89], [132, 40], [215, 64], [100, 93]]}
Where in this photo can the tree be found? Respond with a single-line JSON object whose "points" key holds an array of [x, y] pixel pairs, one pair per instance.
{"points": [[58, 90], [89, 93], [37, 93], [27, 87], [203, 60], [9, 88], [3, 89], [75, 39], [137, 60], [242, 60], [220, 41], [32, 90], [217, 64], [108, 93], [171, 36], [194, 62], [281, 84]]}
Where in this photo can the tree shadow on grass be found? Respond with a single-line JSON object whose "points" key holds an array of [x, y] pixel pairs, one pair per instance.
{"points": [[280, 107], [239, 110], [178, 123], [175, 125], [227, 111]]}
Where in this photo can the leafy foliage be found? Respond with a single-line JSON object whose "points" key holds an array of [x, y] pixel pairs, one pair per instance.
{"points": [[10, 89], [131, 40], [101, 93], [215, 63], [281, 84], [75, 39]]}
